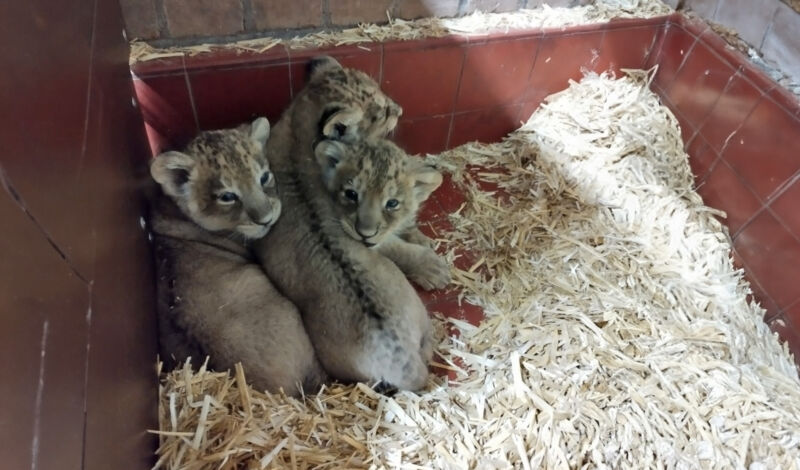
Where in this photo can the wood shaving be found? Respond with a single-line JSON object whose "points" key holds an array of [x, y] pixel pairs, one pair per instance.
{"points": [[618, 333], [403, 30]]}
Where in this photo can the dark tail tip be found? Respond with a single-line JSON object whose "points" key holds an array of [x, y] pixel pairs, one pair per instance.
{"points": [[385, 388]]}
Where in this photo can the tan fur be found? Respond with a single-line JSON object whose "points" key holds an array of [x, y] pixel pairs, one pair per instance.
{"points": [[218, 163], [365, 320], [354, 108], [378, 189], [213, 299], [352, 103]]}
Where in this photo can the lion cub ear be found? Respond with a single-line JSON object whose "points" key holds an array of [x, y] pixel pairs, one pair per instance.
{"points": [[259, 132], [171, 170], [340, 123], [329, 153], [320, 64], [426, 179]]}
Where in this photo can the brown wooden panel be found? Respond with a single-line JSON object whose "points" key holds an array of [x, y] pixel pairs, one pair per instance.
{"points": [[45, 50], [43, 307], [122, 386], [79, 261]]}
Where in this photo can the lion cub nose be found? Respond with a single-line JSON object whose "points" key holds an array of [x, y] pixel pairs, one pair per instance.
{"points": [[366, 232], [261, 217]]}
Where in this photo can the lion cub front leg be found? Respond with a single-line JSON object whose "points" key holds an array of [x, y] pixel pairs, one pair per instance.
{"points": [[420, 263], [415, 236]]}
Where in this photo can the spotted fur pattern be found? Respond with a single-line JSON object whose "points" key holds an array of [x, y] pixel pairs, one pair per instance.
{"points": [[350, 95], [222, 180], [364, 318], [378, 190], [213, 298]]}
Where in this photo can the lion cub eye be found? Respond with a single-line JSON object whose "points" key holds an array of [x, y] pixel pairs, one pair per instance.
{"points": [[350, 194], [392, 204], [265, 178], [227, 198]]}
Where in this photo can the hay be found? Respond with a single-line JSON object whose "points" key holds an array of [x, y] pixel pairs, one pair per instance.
{"points": [[617, 331], [397, 29]]}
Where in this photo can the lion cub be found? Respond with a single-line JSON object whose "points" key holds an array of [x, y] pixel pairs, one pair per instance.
{"points": [[213, 298], [363, 316], [355, 108], [378, 190]]}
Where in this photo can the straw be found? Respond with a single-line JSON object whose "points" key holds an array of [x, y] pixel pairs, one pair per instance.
{"points": [[618, 333]]}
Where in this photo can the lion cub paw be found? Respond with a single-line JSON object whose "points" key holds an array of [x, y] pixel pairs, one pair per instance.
{"points": [[433, 273]]}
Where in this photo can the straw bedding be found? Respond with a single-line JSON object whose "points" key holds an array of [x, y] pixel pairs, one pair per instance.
{"points": [[618, 334], [398, 29]]}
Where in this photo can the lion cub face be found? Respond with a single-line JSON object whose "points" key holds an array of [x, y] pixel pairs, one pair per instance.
{"points": [[222, 180], [377, 187]]}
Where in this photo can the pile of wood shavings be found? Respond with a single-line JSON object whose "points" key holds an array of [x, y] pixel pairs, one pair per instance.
{"points": [[617, 331], [397, 29]]}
